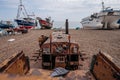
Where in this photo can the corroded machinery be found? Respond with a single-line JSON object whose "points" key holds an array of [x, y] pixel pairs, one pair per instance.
{"points": [[104, 68], [16, 64], [60, 51]]}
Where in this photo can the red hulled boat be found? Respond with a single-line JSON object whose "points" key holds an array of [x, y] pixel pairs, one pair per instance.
{"points": [[45, 24]]}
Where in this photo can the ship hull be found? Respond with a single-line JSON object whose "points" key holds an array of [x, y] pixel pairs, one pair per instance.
{"points": [[26, 24], [110, 21], [45, 25], [6, 26], [94, 24], [105, 22], [109, 18]]}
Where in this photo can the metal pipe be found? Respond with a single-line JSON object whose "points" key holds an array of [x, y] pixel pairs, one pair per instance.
{"points": [[69, 52], [51, 51], [67, 26], [50, 43]]}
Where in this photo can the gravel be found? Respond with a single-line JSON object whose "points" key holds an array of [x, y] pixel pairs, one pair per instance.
{"points": [[90, 42]]}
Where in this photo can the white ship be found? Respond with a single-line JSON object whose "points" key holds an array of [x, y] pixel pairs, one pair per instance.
{"points": [[91, 22], [106, 19]]}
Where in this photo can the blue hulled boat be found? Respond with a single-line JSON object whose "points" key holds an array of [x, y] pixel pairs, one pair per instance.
{"points": [[27, 21], [6, 25]]}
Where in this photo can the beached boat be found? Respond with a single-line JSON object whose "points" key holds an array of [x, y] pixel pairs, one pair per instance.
{"points": [[6, 24], [107, 18], [45, 24], [27, 21], [89, 22]]}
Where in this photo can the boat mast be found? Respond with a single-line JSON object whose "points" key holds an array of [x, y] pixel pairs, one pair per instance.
{"points": [[20, 8]]}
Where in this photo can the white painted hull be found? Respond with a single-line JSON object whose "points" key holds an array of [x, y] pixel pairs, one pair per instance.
{"points": [[95, 23], [110, 20], [92, 25]]}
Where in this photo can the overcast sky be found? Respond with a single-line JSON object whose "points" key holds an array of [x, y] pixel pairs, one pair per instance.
{"points": [[59, 10]]}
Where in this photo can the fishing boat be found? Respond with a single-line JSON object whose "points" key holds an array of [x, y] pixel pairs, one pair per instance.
{"points": [[6, 24], [27, 22], [45, 24], [107, 18]]}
